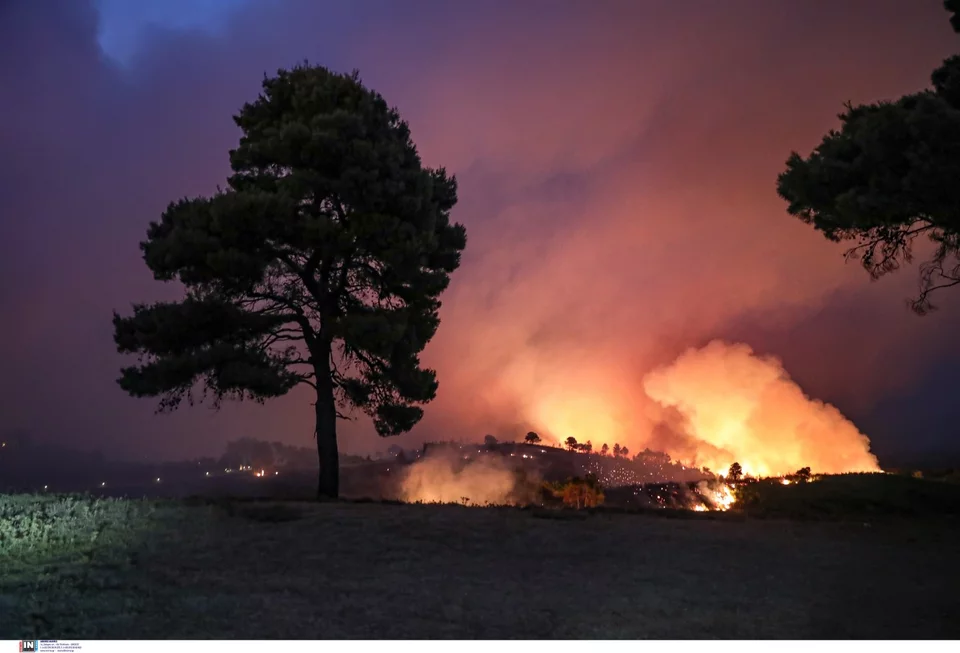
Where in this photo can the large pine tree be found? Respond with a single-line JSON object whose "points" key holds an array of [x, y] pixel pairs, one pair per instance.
{"points": [[889, 175], [321, 263]]}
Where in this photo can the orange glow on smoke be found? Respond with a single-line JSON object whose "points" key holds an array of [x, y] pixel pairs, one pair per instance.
{"points": [[584, 417], [710, 408], [739, 407], [485, 481]]}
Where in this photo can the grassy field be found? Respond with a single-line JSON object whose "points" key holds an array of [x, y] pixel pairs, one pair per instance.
{"points": [[853, 496], [74, 568]]}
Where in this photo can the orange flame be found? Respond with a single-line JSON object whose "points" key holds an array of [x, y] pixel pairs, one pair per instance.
{"points": [[711, 407], [739, 407]]}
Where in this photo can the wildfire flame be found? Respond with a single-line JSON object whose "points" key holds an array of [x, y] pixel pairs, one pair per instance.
{"points": [[719, 496], [724, 498], [710, 407], [736, 406]]}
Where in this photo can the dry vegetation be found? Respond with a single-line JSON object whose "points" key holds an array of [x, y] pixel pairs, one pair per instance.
{"points": [[253, 570]]}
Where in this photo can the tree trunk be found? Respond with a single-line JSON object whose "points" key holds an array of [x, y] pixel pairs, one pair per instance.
{"points": [[328, 484]]}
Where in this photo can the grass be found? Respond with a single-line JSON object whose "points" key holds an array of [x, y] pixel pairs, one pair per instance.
{"points": [[852, 496], [52, 525], [83, 569]]}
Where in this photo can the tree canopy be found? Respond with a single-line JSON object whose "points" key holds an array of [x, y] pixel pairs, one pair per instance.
{"points": [[735, 472], [320, 264], [888, 176]]}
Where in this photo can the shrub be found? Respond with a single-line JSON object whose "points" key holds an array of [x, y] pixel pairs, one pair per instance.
{"points": [[576, 492], [54, 524]]}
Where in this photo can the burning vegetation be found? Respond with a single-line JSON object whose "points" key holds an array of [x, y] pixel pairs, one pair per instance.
{"points": [[720, 408], [710, 407], [510, 474], [521, 474]]}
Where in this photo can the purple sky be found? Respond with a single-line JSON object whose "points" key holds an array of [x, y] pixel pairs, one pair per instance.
{"points": [[630, 148]]}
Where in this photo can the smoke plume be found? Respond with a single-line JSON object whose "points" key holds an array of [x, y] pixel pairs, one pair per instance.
{"points": [[596, 192], [723, 403], [488, 480]]}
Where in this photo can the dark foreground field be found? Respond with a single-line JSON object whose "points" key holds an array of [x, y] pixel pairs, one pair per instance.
{"points": [[140, 569]]}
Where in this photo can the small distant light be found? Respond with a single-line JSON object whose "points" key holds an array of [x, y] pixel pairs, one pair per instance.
{"points": [[276, 473], [158, 479], [44, 487], [103, 485], [207, 474]]}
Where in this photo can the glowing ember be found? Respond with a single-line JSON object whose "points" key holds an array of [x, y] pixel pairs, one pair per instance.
{"points": [[785, 481]]}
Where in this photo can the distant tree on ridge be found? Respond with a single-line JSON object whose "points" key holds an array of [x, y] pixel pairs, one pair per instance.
{"points": [[735, 473]]}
